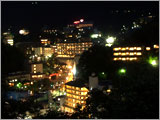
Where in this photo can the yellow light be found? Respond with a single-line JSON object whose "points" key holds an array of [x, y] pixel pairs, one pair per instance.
{"points": [[123, 59], [115, 59], [127, 58], [119, 53], [131, 48], [131, 53], [148, 48], [127, 48], [123, 54], [120, 58], [139, 53], [109, 90], [116, 54], [135, 48], [155, 46], [119, 48], [139, 48], [127, 53], [116, 49], [123, 48]]}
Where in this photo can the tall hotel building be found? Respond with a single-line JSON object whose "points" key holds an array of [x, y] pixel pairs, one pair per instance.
{"points": [[69, 50]]}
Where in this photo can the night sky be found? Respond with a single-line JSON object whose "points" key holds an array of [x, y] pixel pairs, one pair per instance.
{"points": [[33, 15]]}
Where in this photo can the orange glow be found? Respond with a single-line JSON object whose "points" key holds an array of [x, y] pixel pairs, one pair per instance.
{"points": [[139, 48], [155, 46], [148, 48]]}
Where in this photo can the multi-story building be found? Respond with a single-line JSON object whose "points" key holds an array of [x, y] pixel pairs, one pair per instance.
{"points": [[45, 51], [45, 42], [76, 93], [37, 71], [130, 53], [69, 50], [8, 38]]}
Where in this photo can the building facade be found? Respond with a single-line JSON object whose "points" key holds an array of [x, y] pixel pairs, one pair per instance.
{"points": [[76, 93], [69, 50], [131, 53]]}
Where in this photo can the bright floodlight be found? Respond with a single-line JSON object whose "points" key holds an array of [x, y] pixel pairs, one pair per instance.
{"points": [[21, 32], [154, 62], [110, 40], [122, 71], [81, 20]]}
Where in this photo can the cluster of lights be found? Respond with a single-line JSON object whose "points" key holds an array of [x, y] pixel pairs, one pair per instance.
{"points": [[126, 48], [110, 41], [37, 76], [125, 59], [126, 53], [95, 35]]}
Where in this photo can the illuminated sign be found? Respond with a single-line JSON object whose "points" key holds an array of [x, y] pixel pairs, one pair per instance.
{"points": [[76, 22]]}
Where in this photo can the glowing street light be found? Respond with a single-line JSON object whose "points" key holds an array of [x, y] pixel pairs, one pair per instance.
{"points": [[153, 61], [110, 40], [122, 71]]}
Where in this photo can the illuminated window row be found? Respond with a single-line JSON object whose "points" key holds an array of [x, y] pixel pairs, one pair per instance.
{"points": [[125, 58], [126, 48], [37, 76], [126, 53]]}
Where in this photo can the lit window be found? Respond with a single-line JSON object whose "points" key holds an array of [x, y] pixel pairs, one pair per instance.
{"points": [[34, 68], [34, 65], [139, 53], [139, 48], [119, 58], [127, 48], [131, 53], [135, 48], [119, 53], [148, 48], [123, 48], [116, 54], [123, 54], [123, 59], [127, 58], [115, 59], [34, 71], [127, 53], [131, 48], [116, 49]]}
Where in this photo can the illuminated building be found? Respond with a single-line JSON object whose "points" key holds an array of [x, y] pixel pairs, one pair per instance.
{"points": [[130, 53], [76, 93], [37, 68], [45, 51], [37, 71], [8, 38], [45, 42], [69, 50]]}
